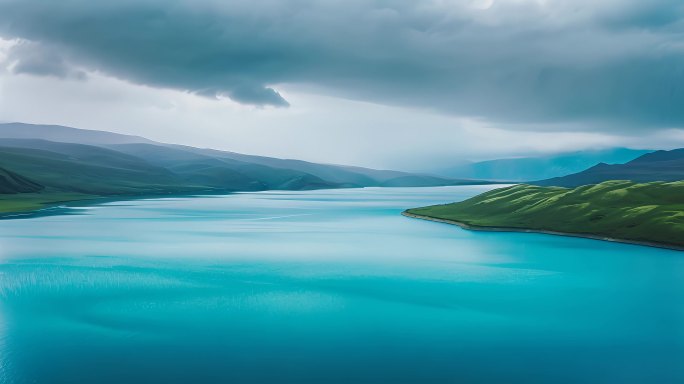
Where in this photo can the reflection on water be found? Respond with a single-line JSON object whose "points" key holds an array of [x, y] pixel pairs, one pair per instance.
{"points": [[327, 286]]}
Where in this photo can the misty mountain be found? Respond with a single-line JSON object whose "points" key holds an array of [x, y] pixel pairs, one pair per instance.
{"points": [[65, 134], [537, 168], [344, 175], [655, 166], [89, 170], [103, 163]]}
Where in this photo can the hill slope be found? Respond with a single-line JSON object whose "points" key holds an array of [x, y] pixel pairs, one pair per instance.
{"points": [[209, 167], [345, 175], [101, 171], [655, 166], [11, 183], [222, 172], [649, 213], [90, 170]]}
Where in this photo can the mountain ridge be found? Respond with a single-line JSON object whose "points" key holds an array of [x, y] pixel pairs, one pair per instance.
{"points": [[524, 169], [660, 165], [333, 174], [61, 133], [67, 164]]}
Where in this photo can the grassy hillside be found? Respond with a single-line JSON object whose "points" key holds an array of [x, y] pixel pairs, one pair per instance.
{"points": [[45, 173], [23, 202], [142, 168], [65, 173], [222, 172], [649, 212], [11, 183]]}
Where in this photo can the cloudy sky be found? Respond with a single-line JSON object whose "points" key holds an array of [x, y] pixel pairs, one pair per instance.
{"points": [[397, 84]]}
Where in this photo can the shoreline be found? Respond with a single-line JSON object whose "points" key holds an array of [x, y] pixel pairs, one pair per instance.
{"points": [[544, 232], [65, 207], [62, 207]]}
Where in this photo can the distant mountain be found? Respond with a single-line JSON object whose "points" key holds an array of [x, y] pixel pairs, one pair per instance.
{"points": [[537, 168], [337, 175], [333, 173], [98, 163], [88, 169], [655, 166], [11, 183], [344, 175], [65, 134]]}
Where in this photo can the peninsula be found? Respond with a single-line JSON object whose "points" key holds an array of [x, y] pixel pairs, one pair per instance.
{"points": [[642, 213]]}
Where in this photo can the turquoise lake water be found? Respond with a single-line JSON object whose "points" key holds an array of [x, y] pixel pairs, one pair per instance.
{"points": [[327, 287]]}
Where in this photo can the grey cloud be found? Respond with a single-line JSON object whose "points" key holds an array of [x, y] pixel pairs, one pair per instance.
{"points": [[618, 63], [35, 59], [257, 95], [246, 94]]}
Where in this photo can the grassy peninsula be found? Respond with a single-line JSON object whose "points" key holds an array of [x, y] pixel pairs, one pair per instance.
{"points": [[645, 213]]}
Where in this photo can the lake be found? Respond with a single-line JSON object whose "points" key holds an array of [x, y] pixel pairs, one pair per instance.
{"points": [[330, 286]]}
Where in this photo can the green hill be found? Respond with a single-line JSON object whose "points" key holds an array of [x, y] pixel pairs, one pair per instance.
{"points": [[621, 210], [221, 172], [60, 172], [11, 183]]}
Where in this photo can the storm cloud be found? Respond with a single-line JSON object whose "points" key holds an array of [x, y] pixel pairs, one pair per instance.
{"points": [[34, 59], [612, 64]]}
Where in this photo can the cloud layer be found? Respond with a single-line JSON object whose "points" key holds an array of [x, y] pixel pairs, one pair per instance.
{"points": [[610, 64]]}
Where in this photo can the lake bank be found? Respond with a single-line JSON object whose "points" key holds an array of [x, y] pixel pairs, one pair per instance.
{"points": [[542, 231], [640, 213], [29, 205]]}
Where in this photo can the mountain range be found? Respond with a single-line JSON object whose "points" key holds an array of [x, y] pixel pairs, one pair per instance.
{"points": [[57, 163], [64, 159], [654, 166], [542, 167]]}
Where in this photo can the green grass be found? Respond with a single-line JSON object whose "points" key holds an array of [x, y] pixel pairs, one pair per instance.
{"points": [[647, 212], [26, 202]]}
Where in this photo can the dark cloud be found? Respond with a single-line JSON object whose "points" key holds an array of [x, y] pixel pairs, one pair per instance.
{"points": [[619, 63], [35, 59], [250, 94]]}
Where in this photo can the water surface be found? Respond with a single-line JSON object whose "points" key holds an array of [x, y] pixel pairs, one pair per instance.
{"points": [[327, 287]]}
